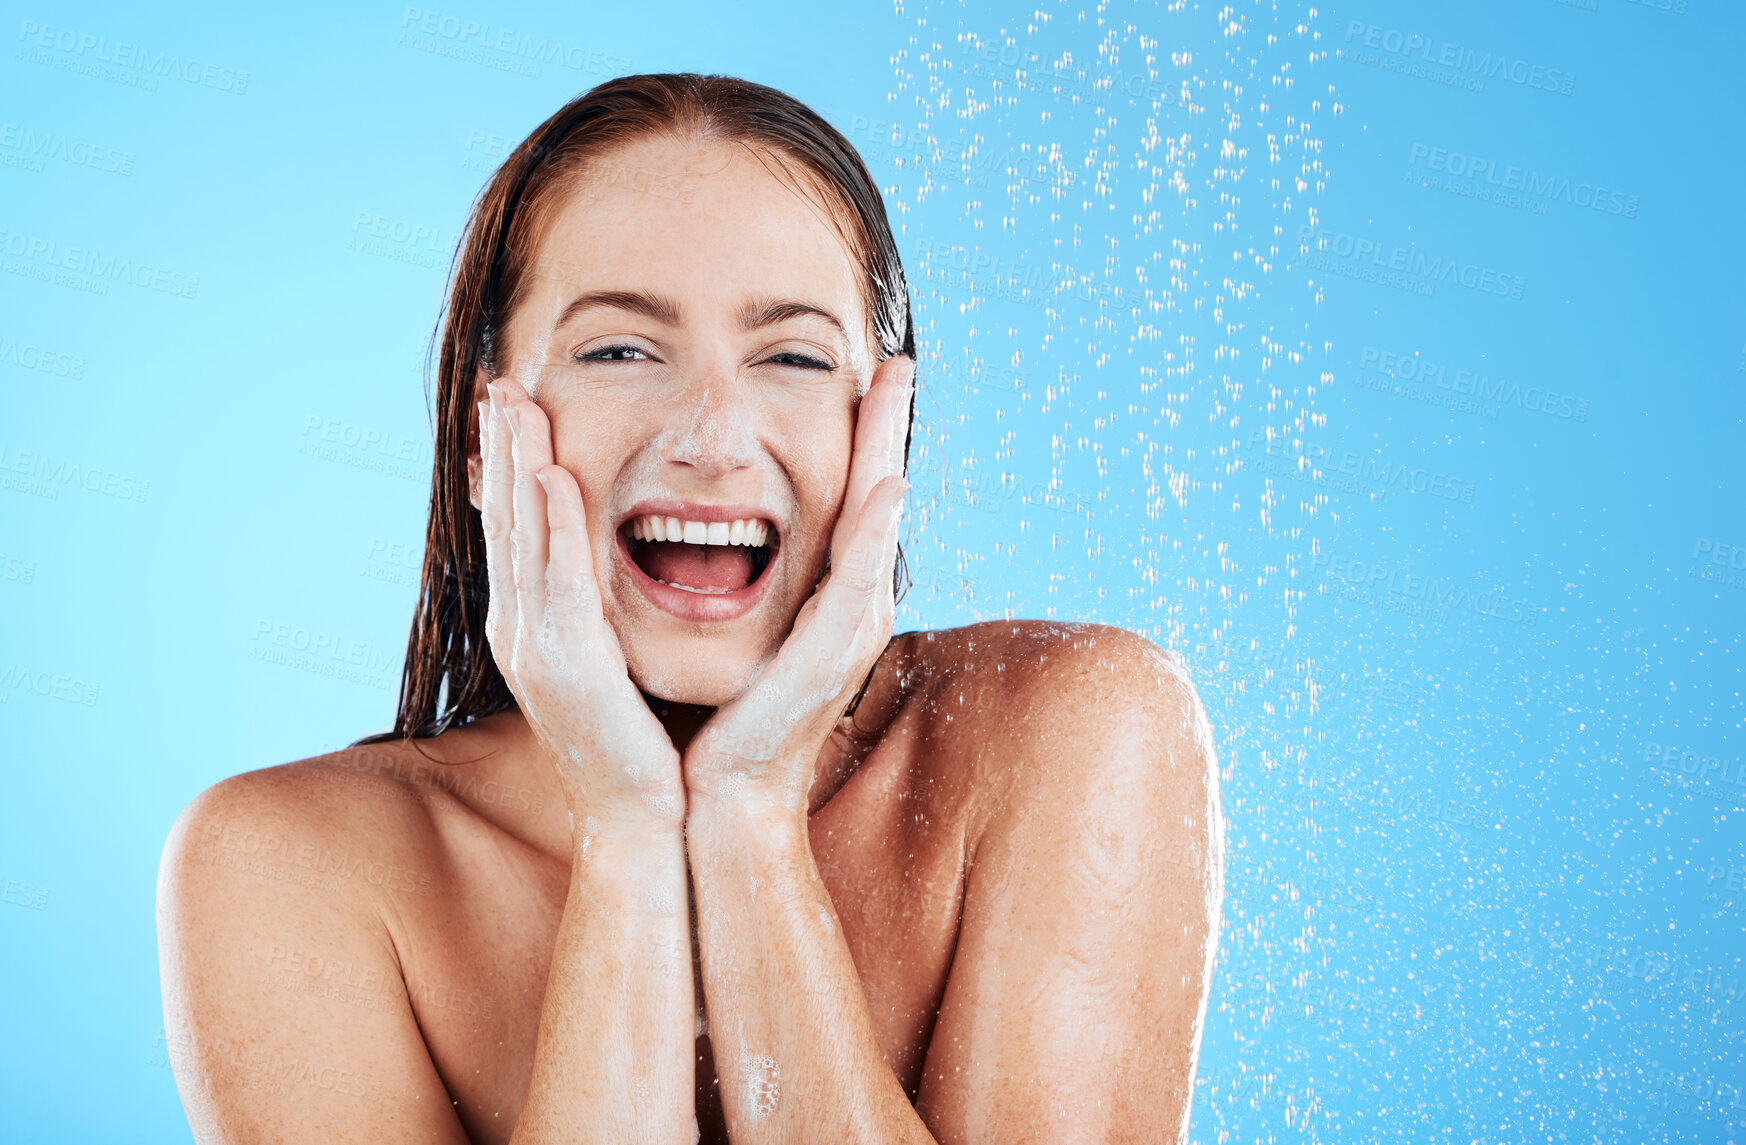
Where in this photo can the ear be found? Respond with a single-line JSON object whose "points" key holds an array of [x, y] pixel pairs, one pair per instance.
{"points": [[475, 463]]}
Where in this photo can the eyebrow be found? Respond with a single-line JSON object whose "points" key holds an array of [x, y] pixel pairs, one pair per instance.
{"points": [[754, 315], [767, 312], [661, 309]]}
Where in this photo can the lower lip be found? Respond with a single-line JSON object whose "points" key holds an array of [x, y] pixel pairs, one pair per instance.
{"points": [[697, 607]]}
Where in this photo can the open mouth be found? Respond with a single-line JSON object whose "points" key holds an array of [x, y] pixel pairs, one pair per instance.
{"points": [[708, 558]]}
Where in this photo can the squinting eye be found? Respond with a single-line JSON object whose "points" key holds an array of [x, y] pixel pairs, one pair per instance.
{"points": [[611, 354], [801, 360]]}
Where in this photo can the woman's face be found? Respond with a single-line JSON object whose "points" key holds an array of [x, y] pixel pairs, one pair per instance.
{"points": [[694, 329]]}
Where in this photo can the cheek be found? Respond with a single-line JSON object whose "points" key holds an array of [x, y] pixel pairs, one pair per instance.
{"points": [[591, 444], [818, 460]]}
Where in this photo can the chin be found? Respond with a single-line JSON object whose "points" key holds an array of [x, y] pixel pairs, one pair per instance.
{"points": [[701, 674]]}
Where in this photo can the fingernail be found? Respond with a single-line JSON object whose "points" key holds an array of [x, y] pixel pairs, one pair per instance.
{"points": [[495, 396], [514, 417], [541, 478]]}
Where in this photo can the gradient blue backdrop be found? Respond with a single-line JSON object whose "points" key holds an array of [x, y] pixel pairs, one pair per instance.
{"points": [[1386, 361]]}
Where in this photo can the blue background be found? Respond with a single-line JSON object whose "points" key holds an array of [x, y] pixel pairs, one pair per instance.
{"points": [[1205, 297]]}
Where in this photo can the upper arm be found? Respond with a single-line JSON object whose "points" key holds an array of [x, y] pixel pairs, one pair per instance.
{"points": [[1077, 993], [285, 1012]]}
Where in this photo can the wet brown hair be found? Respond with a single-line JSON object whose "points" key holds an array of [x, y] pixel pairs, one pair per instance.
{"points": [[450, 677]]}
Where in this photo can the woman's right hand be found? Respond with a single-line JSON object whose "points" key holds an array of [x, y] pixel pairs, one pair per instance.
{"points": [[561, 659]]}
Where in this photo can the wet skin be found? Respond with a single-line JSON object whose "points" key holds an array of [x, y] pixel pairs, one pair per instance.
{"points": [[978, 909]]}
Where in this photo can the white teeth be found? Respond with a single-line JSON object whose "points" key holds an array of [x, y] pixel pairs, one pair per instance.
{"points": [[748, 531], [699, 591]]}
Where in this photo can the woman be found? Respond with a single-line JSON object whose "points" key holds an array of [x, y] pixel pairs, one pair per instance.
{"points": [[810, 882]]}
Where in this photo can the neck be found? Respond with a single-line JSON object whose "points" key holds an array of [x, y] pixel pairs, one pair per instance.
{"points": [[680, 720]]}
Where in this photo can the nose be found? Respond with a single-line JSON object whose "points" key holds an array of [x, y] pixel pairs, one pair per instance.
{"points": [[710, 431]]}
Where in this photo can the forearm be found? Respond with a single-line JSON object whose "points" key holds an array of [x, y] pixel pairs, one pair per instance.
{"points": [[793, 1041], [615, 1056]]}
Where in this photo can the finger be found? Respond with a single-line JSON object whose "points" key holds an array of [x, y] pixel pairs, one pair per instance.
{"points": [[873, 544], [855, 606], [587, 647], [531, 445], [496, 517], [570, 581], [881, 426]]}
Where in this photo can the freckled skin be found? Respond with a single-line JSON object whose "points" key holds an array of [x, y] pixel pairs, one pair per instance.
{"points": [[1017, 835]]}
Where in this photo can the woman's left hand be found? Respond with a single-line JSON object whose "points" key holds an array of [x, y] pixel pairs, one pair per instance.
{"points": [[764, 744]]}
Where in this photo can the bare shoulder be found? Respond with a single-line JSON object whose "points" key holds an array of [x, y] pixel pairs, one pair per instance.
{"points": [[1094, 879], [326, 823], [1013, 656], [279, 896], [1056, 695]]}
